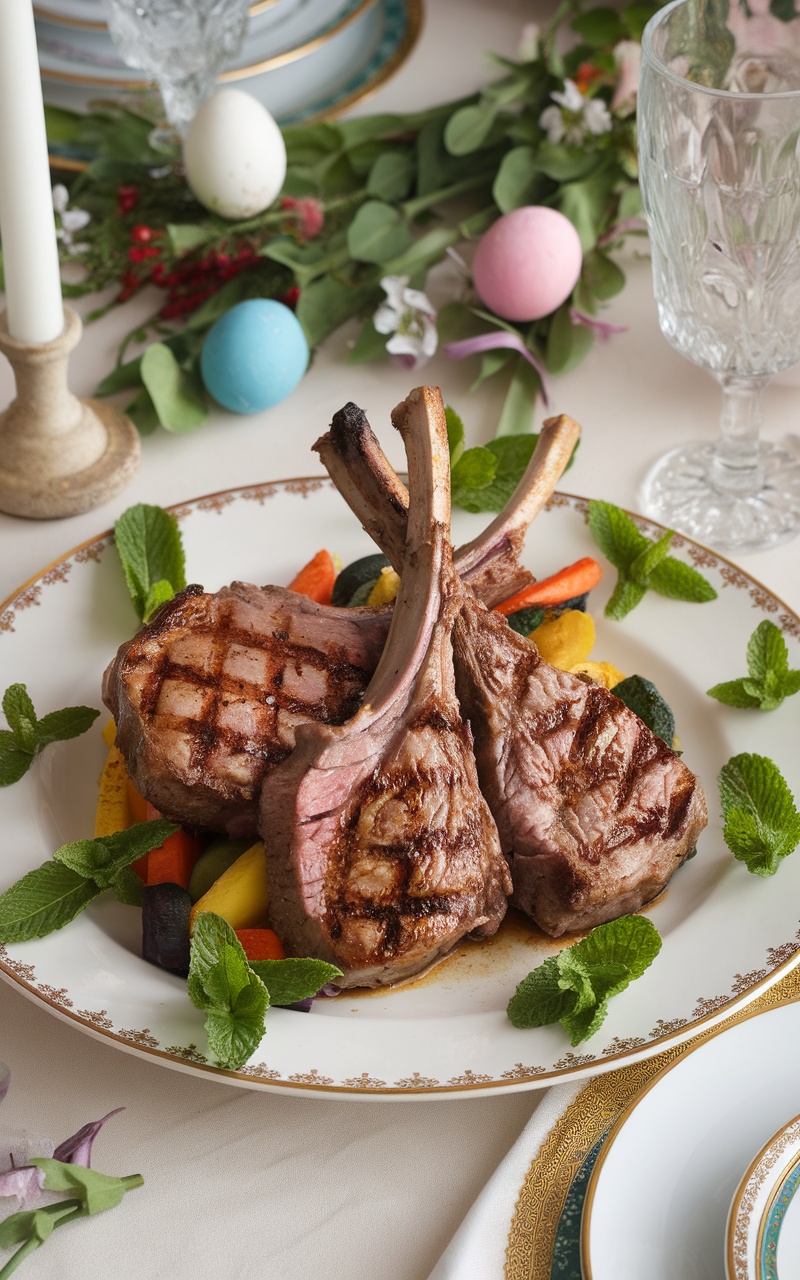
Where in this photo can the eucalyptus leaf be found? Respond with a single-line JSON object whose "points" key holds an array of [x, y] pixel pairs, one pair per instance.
{"points": [[377, 233], [517, 182], [469, 128], [177, 397], [567, 343], [392, 175]]}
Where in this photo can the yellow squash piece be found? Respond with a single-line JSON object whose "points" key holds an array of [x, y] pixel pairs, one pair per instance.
{"points": [[109, 733], [112, 812], [604, 673], [566, 640], [386, 588], [240, 895]]}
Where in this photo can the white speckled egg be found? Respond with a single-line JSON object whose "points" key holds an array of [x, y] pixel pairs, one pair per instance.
{"points": [[527, 263], [234, 155]]}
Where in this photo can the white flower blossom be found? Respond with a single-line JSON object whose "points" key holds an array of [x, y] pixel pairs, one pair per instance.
{"points": [[575, 117], [71, 220], [409, 317]]}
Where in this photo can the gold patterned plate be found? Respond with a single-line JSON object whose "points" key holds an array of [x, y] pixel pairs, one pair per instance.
{"points": [[726, 934], [544, 1238]]}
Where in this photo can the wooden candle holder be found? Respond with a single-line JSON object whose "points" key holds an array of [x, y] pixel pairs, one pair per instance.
{"points": [[59, 455]]}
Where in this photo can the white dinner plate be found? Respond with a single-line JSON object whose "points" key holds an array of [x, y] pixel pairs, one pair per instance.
{"points": [[726, 933], [330, 78], [763, 1232], [90, 14], [659, 1193], [273, 39]]}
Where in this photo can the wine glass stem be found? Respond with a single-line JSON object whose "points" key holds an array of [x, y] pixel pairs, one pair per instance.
{"points": [[737, 464]]}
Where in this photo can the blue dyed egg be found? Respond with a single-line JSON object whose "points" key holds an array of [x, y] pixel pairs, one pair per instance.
{"points": [[254, 356]]}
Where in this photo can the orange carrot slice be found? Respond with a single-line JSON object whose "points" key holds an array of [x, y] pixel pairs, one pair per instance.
{"points": [[173, 861], [316, 579], [572, 581], [261, 944]]}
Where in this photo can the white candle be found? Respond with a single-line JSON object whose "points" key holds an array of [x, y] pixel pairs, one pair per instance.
{"points": [[35, 311]]}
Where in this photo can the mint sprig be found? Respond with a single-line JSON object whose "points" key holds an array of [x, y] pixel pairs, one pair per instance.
{"points": [[642, 565], [769, 680], [27, 735], [150, 549], [223, 986], [762, 824], [51, 895], [89, 1192], [575, 986], [235, 994], [483, 478]]}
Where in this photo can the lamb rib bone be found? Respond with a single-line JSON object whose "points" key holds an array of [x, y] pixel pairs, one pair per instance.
{"points": [[594, 811], [207, 696], [489, 563], [381, 851]]}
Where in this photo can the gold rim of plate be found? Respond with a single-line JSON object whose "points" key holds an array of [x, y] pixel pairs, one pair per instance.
{"points": [[603, 1104], [235, 73], [85, 24]]}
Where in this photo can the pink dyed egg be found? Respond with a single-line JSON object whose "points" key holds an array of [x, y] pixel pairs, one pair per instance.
{"points": [[527, 263]]}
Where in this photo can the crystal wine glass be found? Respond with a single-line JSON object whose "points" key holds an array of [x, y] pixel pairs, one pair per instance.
{"points": [[719, 168], [182, 44]]}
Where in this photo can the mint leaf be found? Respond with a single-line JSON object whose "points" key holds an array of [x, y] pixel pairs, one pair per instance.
{"points": [[646, 702], [97, 1191], [158, 594], [474, 470], [19, 712], [762, 824], [150, 549], [574, 987], [625, 596], [223, 986], [455, 432], [615, 534], [733, 694], [103, 859], [293, 979], [770, 681], [26, 736], [679, 581], [60, 726], [43, 900], [15, 761], [643, 565]]}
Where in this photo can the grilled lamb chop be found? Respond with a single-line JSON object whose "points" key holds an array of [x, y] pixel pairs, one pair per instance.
{"points": [[208, 695], [381, 852], [595, 813]]}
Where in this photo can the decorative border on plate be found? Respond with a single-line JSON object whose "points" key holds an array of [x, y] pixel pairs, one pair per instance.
{"points": [[706, 1008], [743, 1260], [589, 1117]]}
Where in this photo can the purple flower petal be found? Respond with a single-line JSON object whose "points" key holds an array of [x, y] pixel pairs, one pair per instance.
{"points": [[78, 1148], [490, 342], [23, 1182], [602, 328]]}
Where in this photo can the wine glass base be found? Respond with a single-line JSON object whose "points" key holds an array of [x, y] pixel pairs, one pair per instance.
{"points": [[681, 492]]}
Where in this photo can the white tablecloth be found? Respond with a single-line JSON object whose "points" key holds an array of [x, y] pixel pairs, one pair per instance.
{"points": [[252, 1184]]}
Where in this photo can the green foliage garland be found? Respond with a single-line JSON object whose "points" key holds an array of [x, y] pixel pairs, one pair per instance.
{"points": [[381, 195]]}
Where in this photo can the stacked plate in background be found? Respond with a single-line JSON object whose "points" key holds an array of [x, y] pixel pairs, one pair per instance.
{"points": [[303, 59]]}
